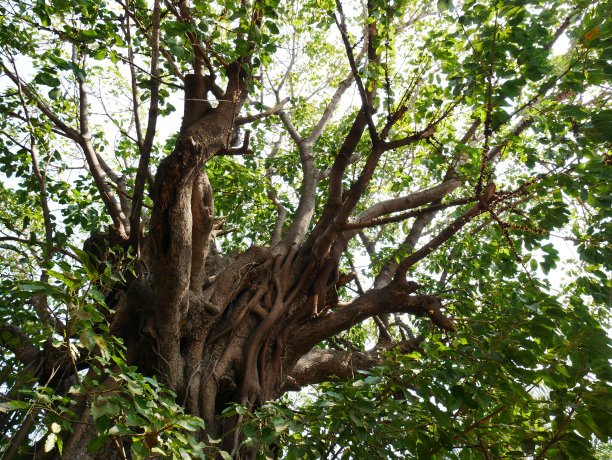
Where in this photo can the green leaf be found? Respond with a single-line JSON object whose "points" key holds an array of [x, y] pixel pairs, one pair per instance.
{"points": [[600, 127], [574, 111], [139, 450], [47, 80], [14, 405], [102, 423], [104, 407], [96, 443], [272, 27], [55, 93], [445, 5]]}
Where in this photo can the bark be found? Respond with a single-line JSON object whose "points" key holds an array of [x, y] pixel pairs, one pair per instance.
{"points": [[14, 339], [322, 365]]}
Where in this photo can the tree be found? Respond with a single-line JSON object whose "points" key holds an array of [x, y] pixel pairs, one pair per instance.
{"points": [[366, 197]]}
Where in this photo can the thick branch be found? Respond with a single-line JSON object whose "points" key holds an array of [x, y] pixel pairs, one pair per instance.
{"points": [[171, 227], [405, 215], [329, 110], [562, 28], [275, 237], [321, 365], [303, 214], [113, 207], [202, 213], [343, 158], [445, 234], [407, 202], [386, 273], [323, 242], [147, 145], [311, 175], [290, 128], [424, 134], [394, 298]]}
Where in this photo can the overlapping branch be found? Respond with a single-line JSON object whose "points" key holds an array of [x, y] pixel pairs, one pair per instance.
{"points": [[261, 115]]}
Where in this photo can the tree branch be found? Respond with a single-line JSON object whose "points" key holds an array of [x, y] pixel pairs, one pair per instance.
{"points": [[134, 83], [202, 214], [320, 365], [407, 202], [259, 116], [15, 340], [147, 145], [289, 127], [39, 243], [366, 103], [394, 298], [66, 130], [343, 158], [386, 273], [423, 134], [557, 436], [562, 28], [445, 234], [37, 173], [275, 237], [165, 53], [405, 215], [120, 222], [329, 110]]}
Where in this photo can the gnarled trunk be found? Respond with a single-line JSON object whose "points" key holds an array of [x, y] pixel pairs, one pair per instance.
{"points": [[239, 338]]}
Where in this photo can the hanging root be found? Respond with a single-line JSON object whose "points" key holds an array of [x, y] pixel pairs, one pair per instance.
{"points": [[245, 311], [280, 280], [256, 378]]}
